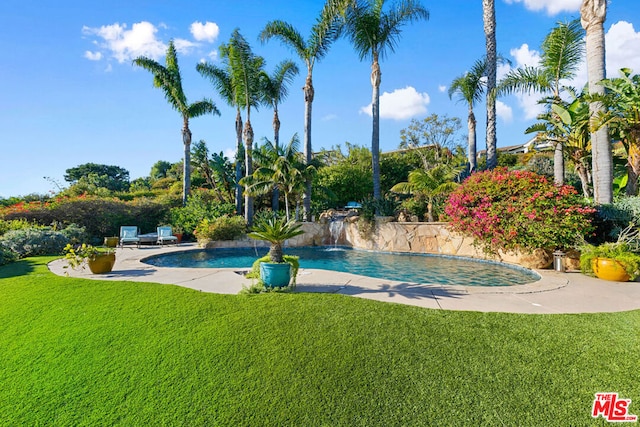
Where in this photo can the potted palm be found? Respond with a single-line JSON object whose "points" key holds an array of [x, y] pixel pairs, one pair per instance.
{"points": [[99, 260], [277, 272]]}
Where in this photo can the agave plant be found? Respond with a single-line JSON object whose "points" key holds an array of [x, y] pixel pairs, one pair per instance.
{"points": [[275, 231]]}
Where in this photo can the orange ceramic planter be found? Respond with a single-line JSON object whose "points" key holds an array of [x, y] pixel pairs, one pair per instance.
{"points": [[102, 263], [609, 269]]}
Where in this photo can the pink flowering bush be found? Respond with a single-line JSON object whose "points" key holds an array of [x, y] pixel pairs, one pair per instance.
{"points": [[518, 210]]}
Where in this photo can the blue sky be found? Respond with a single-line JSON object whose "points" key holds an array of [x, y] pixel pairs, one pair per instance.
{"points": [[70, 95]]}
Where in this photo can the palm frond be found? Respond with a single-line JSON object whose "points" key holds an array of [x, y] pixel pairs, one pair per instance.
{"points": [[288, 35]]}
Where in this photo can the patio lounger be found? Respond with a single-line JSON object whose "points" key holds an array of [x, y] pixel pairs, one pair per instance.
{"points": [[165, 235], [129, 235]]}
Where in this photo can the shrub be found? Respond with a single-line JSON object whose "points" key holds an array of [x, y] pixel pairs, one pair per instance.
{"points": [[201, 205], [34, 241], [16, 224], [7, 255], [222, 228], [518, 210]]}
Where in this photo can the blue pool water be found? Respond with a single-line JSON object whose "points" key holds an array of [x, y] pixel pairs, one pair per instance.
{"points": [[412, 268]]}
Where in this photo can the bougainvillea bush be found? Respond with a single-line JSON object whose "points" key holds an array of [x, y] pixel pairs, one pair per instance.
{"points": [[519, 211]]}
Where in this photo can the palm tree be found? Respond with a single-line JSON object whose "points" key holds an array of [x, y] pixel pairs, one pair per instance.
{"points": [[276, 231], [562, 51], [281, 168], [325, 31], [489, 19], [432, 184], [373, 33], [623, 119], [224, 85], [593, 13], [274, 91], [470, 88], [168, 79]]}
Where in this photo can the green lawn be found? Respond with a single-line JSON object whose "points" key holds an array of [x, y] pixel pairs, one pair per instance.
{"points": [[84, 352]]}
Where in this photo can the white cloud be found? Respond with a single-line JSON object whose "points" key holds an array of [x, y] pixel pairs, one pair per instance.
{"points": [[93, 56], [622, 48], [208, 31], [184, 46], [528, 102], [442, 88], [504, 111], [329, 117], [401, 104], [552, 7], [125, 45]]}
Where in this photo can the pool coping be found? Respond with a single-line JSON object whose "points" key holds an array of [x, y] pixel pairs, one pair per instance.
{"points": [[555, 292]]}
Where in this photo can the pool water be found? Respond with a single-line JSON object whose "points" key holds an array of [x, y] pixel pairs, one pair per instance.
{"points": [[414, 268]]}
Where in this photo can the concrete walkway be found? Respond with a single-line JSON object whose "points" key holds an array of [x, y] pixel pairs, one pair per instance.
{"points": [[555, 293]]}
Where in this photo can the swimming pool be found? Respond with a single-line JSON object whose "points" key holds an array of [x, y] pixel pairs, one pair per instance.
{"points": [[414, 268]]}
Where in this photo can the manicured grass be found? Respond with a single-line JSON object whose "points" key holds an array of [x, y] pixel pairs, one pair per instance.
{"points": [[84, 352]]}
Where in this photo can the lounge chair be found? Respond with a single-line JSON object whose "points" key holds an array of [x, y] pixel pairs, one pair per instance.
{"points": [[129, 235], [165, 235]]}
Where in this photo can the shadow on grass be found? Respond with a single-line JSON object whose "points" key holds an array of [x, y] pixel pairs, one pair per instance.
{"points": [[411, 291], [18, 268]]}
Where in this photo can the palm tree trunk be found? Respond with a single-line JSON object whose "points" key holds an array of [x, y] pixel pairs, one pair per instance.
{"points": [[489, 17], [472, 139], [308, 151], [286, 205], [275, 253], [593, 14], [376, 76], [248, 142], [186, 171], [239, 158], [581, 170], [276, 142], [558, 164]]}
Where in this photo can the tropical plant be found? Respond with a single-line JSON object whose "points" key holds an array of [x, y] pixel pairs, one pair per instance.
{"points": [[593, 13], [562, 51], [274, 90], [78, 255], [518, 210], [216, 170], [325, 31], [169, 80], [373, 33], [281, 168], [489, 21], [625, 250], [275, 231], [431, 184], [622, 118]]}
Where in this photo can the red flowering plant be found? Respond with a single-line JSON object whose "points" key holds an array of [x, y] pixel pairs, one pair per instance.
{"points": [[518, 210]]}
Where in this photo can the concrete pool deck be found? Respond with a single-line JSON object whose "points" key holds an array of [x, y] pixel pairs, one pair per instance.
{"points": [[555, 293]]}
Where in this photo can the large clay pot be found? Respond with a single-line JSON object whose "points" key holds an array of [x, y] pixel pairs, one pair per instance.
{"points": [[275, 275], [102, 263], [609, 269], [111, 242]]}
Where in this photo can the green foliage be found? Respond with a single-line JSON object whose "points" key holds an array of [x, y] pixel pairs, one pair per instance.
{"points": [[224, 227], [625, 251], [16, 224], [113, 178], [415, 206], [518, 210], [202, 204], [34, 241], [434, 138], [254, 273], [78, 255], [7, 255]]}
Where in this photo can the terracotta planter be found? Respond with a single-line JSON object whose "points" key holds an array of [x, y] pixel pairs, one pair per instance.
{"points": [[101, 264], [609, 269], [179, 236]]}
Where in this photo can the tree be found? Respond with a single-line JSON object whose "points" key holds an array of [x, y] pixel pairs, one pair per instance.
{"points": [[373, 33], [489, 19], [281, 168], [433, 138], [431, 184], [325, 31], [113, 178], [622, 118], [470, 88], [168, 79], [215, 169], [562, 51], [274, 91], [593, 13], [159, 170]]}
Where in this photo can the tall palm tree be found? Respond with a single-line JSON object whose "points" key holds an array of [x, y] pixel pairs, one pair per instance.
{"points": [[470, 88], [169, 80], [373, 33], [222, 79], [593, 13], [325, 31], [562, 51], [623, 120], [275, 90], [489, 19], [245, 70]]}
